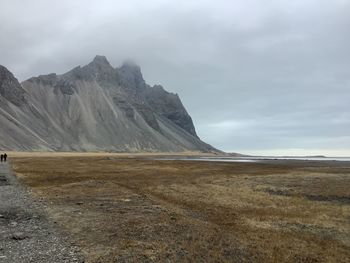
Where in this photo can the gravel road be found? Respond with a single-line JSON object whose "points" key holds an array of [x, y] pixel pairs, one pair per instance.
{"points": [[25, 233]]}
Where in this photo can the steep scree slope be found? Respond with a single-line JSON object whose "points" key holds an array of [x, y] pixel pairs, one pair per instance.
{"points": [[91, 108]]}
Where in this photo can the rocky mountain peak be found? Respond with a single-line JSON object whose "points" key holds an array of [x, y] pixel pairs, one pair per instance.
{"points": [[10, 88], [5, 74], [100, 63], [101, 60], [98, 69]]}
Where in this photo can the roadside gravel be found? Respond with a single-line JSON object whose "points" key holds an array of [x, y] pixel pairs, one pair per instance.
{"points": [[25, 233]]}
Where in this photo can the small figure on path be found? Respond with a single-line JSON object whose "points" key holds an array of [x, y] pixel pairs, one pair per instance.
{"points": [[5, 157], [2, 157]]}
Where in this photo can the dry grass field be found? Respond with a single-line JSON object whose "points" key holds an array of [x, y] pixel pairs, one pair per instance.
{"points": [[134, 209]]}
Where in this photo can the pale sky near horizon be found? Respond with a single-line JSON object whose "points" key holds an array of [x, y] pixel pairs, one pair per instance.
{"points": [[258, 77]]}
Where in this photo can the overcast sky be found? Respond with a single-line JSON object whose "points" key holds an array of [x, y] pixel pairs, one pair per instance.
{"points": [[257, 77]]}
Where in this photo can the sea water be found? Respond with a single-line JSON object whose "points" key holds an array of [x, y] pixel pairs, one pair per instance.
{"points": [[253, 159]]}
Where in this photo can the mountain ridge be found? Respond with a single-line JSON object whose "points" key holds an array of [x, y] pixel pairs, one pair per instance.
{"points": [[92, 108]]}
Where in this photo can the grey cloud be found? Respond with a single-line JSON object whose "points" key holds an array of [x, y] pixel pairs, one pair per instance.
{"points": [[278, 70]]}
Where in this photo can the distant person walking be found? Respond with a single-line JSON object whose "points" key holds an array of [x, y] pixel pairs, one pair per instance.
{"points": [[2, 157], [5, 157]]}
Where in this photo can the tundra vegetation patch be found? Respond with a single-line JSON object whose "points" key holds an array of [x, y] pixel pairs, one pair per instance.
{"points": [[119, 209]]}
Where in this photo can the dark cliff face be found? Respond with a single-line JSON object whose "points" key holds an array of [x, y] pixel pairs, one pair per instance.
{"points": [[10, 89], [155, 98], [170, 106], [96, 107]]}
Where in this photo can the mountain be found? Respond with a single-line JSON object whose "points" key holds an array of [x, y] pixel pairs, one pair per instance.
{"points": [[94, 108]]}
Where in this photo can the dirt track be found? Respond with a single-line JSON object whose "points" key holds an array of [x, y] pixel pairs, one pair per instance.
{"points": [[121, 209]]}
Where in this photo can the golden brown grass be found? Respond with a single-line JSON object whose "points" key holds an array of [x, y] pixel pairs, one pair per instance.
{"points": [[104, 154], [119, 208]]}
